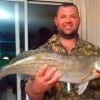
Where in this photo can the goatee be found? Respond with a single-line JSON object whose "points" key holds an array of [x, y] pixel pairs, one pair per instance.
{"points": [[69, 36]]}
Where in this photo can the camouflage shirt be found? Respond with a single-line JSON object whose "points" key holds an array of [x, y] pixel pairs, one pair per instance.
{"points": [[59, 91]]}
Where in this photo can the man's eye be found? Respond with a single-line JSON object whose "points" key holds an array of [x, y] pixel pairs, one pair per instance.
{"points": [[74, 17], [63, 17]]}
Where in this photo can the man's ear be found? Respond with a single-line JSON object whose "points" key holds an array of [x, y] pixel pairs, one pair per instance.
{"points": [[79, 20], [55, 20]]}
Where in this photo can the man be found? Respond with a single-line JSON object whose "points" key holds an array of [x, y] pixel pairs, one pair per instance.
{"points": [[45, 85]]}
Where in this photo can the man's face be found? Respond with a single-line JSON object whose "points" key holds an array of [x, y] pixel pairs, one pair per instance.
{"points": [[67, 20]]}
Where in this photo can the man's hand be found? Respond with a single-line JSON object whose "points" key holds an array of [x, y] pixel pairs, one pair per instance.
{"points": [[44, 80], [98, 73]]}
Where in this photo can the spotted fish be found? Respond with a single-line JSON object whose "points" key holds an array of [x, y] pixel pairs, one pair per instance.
{"points": [[78, 70]]}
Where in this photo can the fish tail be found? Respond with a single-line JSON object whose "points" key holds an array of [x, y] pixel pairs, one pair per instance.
{"points": [[2, 71]]}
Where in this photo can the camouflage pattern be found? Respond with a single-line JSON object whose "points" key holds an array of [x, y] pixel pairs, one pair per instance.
{"points": [[59, 91]]}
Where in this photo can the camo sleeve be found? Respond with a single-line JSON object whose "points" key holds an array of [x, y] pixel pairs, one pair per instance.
{"points": [[59, 91]]}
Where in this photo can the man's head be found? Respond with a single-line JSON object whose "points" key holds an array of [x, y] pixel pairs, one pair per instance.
{"points": [[67, 20]]}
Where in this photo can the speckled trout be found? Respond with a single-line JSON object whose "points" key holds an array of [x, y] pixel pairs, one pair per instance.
{"points": [[79, 70]]}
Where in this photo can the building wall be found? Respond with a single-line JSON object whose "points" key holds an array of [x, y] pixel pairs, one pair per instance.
{"points": [[90, 20]]}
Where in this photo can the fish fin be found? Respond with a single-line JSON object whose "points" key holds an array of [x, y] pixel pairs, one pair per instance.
{"points": [[90, 76], [82, 87]]}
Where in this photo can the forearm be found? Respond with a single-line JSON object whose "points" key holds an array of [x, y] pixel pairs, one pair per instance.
{"points": [[33, 92]]}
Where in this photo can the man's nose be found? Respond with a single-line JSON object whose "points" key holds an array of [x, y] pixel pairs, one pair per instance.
{"points": [[68, 19]]}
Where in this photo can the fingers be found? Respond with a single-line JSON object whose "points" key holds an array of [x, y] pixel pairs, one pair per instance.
{"points": [[98, 73], [49, 73], [54, 79], [42, 70], [45, 78]]}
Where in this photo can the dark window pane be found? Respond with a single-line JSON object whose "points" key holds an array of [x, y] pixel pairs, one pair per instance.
{"points": [[40, 23]]}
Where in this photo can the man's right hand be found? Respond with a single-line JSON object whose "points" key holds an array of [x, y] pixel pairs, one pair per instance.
{"points": [[44, 80]]}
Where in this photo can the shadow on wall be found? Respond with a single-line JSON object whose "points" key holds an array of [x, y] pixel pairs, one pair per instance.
{"points": [[36, 40], [44, 35]]}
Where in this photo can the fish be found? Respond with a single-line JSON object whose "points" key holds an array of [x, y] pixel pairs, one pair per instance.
{"points": [[75, 69]]}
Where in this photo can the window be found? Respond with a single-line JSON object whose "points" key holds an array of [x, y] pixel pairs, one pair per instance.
{"points": [[7, 32], [40, 23]]}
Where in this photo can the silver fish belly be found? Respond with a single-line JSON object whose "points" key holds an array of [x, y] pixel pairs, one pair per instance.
{"points": [[78, 70]]}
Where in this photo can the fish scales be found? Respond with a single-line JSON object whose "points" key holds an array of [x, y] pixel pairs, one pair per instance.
{"points": [[74, 69]]}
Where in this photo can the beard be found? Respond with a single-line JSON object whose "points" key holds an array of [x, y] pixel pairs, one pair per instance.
{"points": [[72, 35]]}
